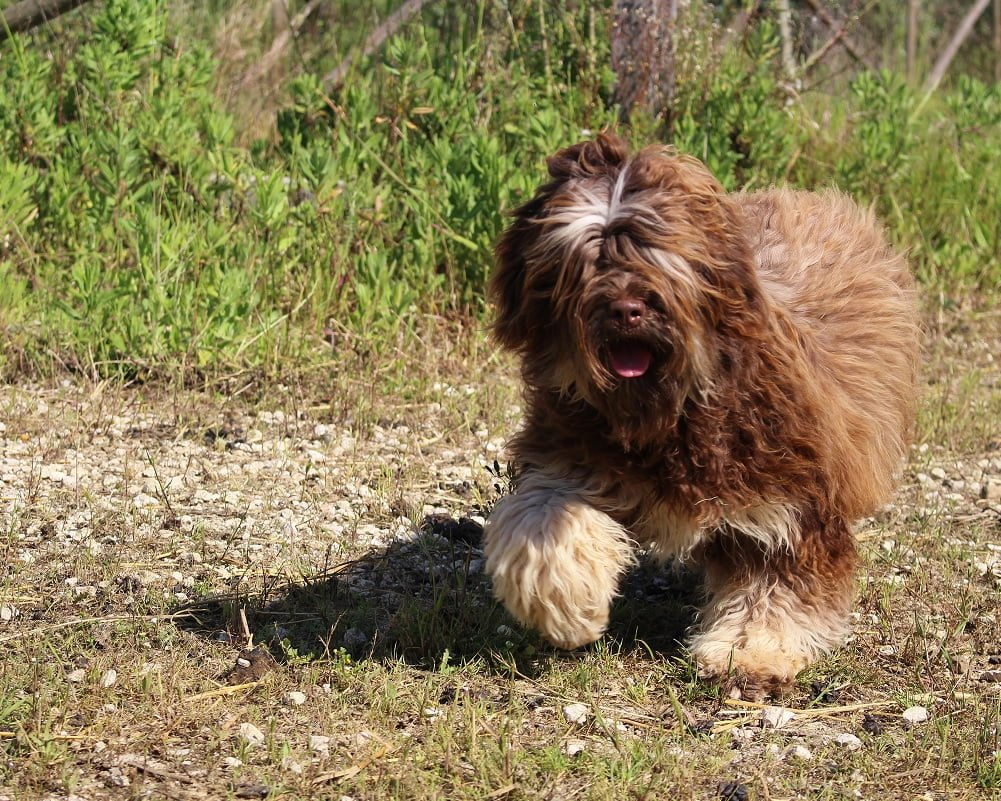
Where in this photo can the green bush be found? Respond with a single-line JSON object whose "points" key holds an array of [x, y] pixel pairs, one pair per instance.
{"points": [[138, 237]]}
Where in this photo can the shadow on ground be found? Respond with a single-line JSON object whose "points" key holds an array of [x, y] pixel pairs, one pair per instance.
{"points": [[427, 601]]}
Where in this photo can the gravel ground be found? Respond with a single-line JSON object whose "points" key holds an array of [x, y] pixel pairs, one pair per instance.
{"points": [[215, 495], [331, 538]]}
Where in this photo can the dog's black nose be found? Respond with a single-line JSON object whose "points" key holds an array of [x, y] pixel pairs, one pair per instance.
{"points": [[627, 312]]}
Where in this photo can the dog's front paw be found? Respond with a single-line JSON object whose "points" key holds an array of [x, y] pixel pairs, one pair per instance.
{"points": [[759, 667], [555, 562]]}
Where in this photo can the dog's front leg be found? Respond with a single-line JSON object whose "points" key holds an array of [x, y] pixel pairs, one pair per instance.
{"points": [[773, 612], [555, 558]]}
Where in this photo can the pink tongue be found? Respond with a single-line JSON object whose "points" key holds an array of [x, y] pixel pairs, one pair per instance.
{"points": [[630, 360]]}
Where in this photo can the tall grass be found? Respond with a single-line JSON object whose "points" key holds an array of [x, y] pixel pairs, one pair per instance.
{"points": [[139, 236]]}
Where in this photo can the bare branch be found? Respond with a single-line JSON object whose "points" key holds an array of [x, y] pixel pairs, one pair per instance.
{"points": [[837, 37], [391, 25], [949, 53], [278, 46], [831, 22], [30, 14]]}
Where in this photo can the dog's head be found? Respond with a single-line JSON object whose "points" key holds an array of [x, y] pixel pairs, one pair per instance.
{"points": [[616, 281]]}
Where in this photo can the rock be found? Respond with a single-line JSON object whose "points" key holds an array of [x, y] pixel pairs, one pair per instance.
{"points": [[991, 490], [743, 734], [732, 791], [887, 650], [232, 762], [937, 473], [291, 765], [296, 698], [253, 791], [251, 735], [848, 741], [319, 744], [576, 713], [915, 715], [872, 724], [573, 747], [108, 678], [775, 717], [76, 676], [798, 753], [354, 639]]}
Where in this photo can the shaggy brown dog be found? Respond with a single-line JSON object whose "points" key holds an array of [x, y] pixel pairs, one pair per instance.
{"points": [[728, 379]]}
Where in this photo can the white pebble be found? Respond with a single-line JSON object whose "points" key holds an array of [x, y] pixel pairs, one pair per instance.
{"points": [[109, 678], [251, 735], [849, 741], [775, 717], [76, 676], [232, 762], [319, 744], [576, 713], [798, 752], [573, 747], [289, 764], [915, 715], [296, 698]]}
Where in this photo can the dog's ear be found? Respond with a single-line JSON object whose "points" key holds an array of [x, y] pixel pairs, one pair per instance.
{"points": [[519, 318], [512, 325], [597, 156]]}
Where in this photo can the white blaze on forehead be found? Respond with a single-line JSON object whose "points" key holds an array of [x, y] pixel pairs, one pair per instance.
{"points": [[596, 208]]}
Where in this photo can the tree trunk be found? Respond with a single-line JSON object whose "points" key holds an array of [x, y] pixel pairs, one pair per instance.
{"points": [[997, 40], [32, 13], [912, 39], [643, 55], [785, 32]]}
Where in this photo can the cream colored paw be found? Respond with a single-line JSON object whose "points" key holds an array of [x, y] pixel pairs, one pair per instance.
{"points": [[761, 665], [555, 562]]}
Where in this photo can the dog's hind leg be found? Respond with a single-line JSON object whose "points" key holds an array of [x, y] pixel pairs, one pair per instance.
{"points": [[555, 559], [772, 612]]}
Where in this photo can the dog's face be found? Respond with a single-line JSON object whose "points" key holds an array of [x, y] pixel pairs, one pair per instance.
{"points": [[615, 280]]}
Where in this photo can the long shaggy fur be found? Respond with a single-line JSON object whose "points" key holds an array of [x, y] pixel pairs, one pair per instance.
{"points": [[727, 379]]}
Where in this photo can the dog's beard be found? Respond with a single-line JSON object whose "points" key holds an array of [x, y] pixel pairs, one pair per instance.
{"points": [[638, 382]]}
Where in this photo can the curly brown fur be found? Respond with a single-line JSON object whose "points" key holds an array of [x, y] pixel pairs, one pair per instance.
{"points": [[727, 378]]}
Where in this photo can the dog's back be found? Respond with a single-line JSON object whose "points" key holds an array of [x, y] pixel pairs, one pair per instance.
{"points": [[826, 263]]}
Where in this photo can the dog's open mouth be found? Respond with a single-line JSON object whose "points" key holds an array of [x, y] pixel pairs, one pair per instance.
{"points": [[630, 359]]}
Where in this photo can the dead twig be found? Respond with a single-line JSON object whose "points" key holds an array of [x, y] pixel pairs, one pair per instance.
{"points": [[220, 691], [89, 621], [354, 770]]}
